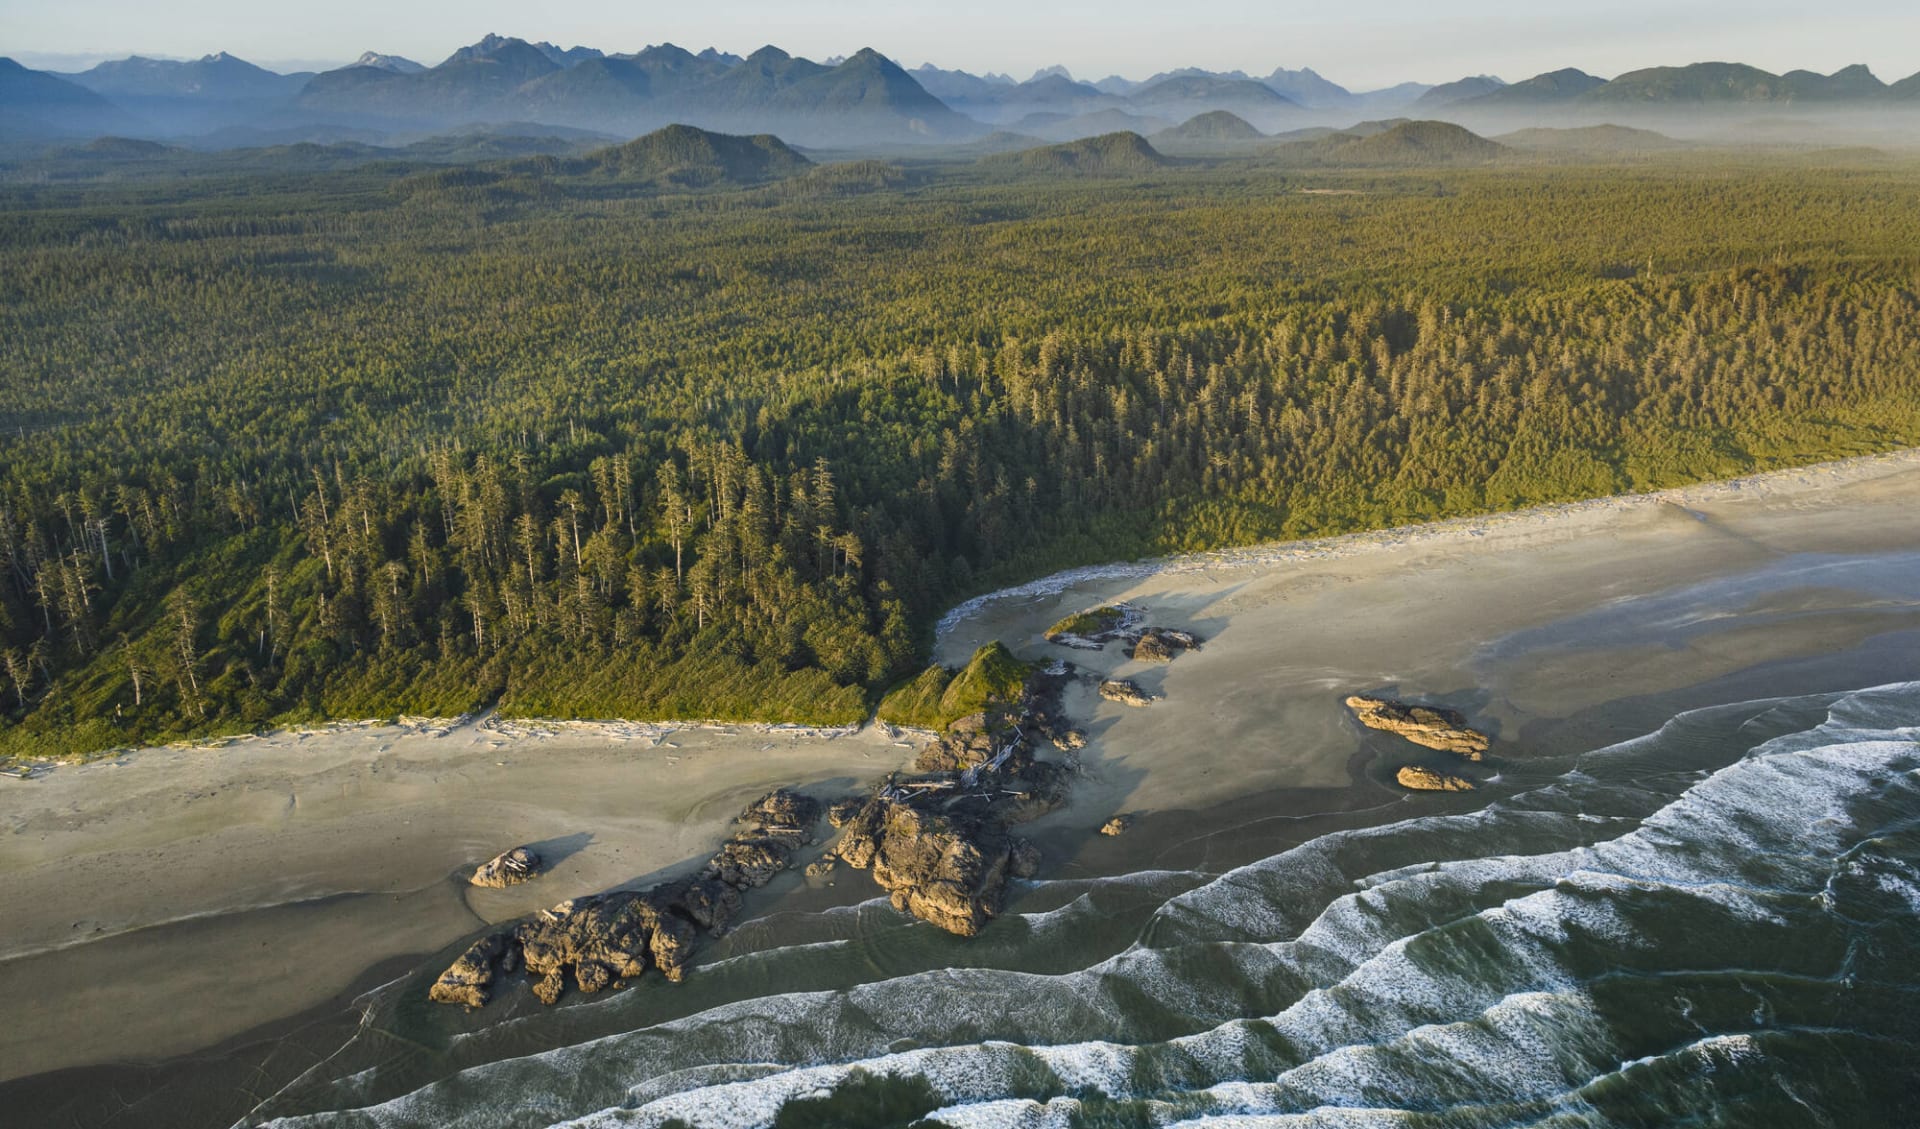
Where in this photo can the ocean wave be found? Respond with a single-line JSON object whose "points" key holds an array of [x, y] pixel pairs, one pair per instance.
{"points": [[1478, 960]]}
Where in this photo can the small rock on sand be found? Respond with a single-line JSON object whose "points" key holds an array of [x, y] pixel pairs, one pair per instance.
{"points": [[1124, 692], [1118, 825], [508, 868]]}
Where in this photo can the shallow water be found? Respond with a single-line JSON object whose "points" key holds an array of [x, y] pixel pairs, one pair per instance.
{"points": [[1714, 924]]}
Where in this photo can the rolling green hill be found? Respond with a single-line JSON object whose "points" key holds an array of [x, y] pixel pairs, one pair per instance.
{"points": [[1110, 154], [1406, 144], [690, 157], [1212, 126]]}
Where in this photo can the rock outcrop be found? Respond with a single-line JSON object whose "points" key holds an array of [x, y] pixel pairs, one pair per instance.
{"points": [[712, 904], [931, 866], [1118, 825], [1126, 693], [508, 868], [1428, 726], [1426, 780], [967, 743], [1024, 860], [1163, 645], [469, 981], [604, 940], [940, 843], [841, 812]]}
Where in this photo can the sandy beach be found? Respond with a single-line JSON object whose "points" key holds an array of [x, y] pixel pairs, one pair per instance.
{"points": [[264, 875], [165, 900]]}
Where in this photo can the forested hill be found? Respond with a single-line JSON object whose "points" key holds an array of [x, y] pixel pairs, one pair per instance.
{"points": [[278, 454]]}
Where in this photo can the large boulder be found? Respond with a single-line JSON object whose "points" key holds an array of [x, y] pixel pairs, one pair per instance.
{"points": [[930, 866], [470, 978], [1428, 726], [603, 939], [1163, 645], [749, 863], [783, 813], [508, 868]]}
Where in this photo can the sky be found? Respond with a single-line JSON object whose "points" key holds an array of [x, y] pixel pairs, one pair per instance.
{"points": [[1362, 44]]}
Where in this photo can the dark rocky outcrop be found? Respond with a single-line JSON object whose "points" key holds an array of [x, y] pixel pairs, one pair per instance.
{"points": [[604, 940], [932, 866], [940, 843], [712, 904], [1118, 825], [1023, 861], [1163, 645], [1126, 693], [748, 864], [968, 743], [1428, 726], [508, 868], [469, 980]]}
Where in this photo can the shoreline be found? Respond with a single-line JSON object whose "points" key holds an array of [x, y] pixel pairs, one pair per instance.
{"points": [[1267, 553], [1854, 468], [1526, 621]]}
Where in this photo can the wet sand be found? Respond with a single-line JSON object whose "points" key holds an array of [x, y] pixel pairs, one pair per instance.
{"points": [[1513, 619], [168, 900]]}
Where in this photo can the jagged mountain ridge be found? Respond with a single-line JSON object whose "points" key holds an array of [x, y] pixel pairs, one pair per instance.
{"points": [[863, 98]]}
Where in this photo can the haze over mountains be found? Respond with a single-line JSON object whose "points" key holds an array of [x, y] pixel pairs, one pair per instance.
{"points": [[864, 99]]}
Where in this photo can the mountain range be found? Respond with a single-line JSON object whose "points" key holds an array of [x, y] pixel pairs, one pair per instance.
{"points": [[862, 99]]}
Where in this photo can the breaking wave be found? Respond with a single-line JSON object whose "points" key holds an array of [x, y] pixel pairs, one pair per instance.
{"points": [[1714, 924]]}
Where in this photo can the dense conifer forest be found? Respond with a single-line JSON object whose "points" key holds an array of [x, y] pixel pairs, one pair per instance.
{"points": [[369, 442]]}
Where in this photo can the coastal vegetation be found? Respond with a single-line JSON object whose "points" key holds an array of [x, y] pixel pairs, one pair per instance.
{"points": [[1091, 622], [635, 437], [938, 697]]}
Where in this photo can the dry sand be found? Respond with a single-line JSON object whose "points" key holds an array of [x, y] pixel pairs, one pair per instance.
{"points": [[169, 899]]}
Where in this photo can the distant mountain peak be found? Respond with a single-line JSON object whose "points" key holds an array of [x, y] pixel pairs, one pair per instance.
{"points": [[398, 64], [1054, 71], [488, 44]]}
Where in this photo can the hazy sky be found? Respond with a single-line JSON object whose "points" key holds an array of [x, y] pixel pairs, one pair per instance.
{"points": [[1360, 43]]}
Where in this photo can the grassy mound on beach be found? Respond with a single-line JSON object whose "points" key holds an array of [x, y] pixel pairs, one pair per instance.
{"points": [[1088, 622], [938, 697]]}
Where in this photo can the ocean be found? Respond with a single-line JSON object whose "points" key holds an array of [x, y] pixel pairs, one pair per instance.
{"points": [[1713, 924]]}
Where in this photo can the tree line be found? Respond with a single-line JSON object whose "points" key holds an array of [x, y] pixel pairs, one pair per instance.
{"points": [[355, 459]]}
